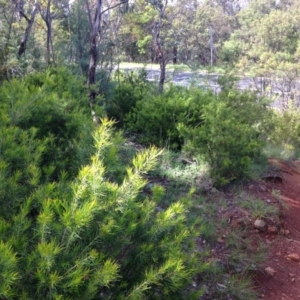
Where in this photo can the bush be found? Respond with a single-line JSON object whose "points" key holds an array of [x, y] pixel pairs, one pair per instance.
{"points": [[20, 157], [129, 88], [284, 128], [56, 104], [230, 137], [156, 118], [91, 238]]}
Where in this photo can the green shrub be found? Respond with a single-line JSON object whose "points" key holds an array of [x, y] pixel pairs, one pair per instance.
{"points": [[20, 157], [285, 128], [156, 118], [56, 104], [91, 238], [129, 88], [230, 137]]}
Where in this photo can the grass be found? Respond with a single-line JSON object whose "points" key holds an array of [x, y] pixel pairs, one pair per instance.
{"points": [[282, 204], [240, 288], [258, 209], [242, 256], [176, 167], [174, 178], [280, 152]]}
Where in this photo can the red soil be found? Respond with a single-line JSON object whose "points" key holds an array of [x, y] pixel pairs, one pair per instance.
{"points": [[285, 283]]}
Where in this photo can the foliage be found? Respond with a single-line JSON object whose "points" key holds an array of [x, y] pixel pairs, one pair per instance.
{"points": [[92, 237], [55, 104], [129, 88], [230, 135], [262, 45], [241, 288], [156, 117], [20, 158], [285, 128]]}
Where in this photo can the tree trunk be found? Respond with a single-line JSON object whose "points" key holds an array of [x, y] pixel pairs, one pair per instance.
{"points": [[158, 46], [92, 68], [49, 32], [94, 31], [30, 22], [162, 77], [95, 37], [175, 55]]}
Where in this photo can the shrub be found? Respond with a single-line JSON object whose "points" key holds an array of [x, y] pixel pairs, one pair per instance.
{"points": [[91, 238], [156, 118], [20, 156], [129, 88], [285, 128], [230, 137], [56, 104]]}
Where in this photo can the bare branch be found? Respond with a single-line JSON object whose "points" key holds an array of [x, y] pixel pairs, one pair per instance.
{"points": [[109, 8]]}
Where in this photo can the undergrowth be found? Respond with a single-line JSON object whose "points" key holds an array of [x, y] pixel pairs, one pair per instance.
{"points": [[230, 277], [154, 211]]}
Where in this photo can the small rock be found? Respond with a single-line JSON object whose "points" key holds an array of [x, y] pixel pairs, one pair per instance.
{"points": [[291, 275], [262, 188], [260, 224], [251, 186], [293, 256], [286, 232], [293, 279], [269, 201], [270, 271], [272, 229], [221, 286], [220, 240], [214, 190]]}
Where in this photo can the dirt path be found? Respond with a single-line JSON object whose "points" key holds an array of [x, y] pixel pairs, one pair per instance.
{"points": [[285, 247]]}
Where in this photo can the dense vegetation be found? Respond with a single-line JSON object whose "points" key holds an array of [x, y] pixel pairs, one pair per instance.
{"points": [[245, 35], [79, 144], [67, 231], [77, 219]]}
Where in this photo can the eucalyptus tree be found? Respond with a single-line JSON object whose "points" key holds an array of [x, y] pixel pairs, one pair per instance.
{"points": [[148, 28], [200, 29], [11, 28], [49, 10], [262, 44], [97, 13], [30, 21]]}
